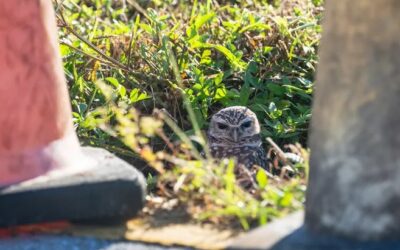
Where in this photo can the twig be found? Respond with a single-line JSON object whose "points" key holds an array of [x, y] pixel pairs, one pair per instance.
{"points": [[92, 46], [279, 151], [163, 137], [145, 77], [139, 8], [128, 64], [178, 132], [89, 55]]}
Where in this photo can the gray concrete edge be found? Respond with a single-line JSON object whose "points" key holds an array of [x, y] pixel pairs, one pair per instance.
{"points": [[266, 237]]}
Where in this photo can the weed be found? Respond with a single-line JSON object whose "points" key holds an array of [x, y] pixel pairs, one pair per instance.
{"points": [[123, 59]]}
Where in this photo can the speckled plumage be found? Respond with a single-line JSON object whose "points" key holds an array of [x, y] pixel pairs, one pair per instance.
{"points": [[235, 132]]}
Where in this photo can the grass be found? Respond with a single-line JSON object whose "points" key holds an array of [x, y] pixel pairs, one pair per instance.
{"points": [[145, 76]]}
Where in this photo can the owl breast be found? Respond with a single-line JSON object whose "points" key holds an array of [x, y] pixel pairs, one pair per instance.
{"points": [[247, 156]]}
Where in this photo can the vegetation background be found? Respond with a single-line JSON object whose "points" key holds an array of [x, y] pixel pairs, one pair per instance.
{"points": [[124, 59]]}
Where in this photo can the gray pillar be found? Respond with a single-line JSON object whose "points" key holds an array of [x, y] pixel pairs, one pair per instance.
{"points": [[354, 185]]}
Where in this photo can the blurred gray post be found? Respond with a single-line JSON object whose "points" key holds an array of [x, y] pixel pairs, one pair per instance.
{"points": [[354, 185]]}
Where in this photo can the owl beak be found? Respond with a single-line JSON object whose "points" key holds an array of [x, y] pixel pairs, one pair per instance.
{"points": [[235, 135]]}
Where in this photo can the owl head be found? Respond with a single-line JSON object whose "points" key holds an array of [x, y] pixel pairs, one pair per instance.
{"points": [[234, 125]]}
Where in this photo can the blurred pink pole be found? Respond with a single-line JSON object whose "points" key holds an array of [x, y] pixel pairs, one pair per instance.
{"points": [[36, 132]]}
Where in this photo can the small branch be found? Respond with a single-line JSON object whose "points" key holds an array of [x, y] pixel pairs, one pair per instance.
{"points": [[139, 8], [89, 55], [148, 77], [281, 154], [128, 64], [92, 46], [163, 137]]}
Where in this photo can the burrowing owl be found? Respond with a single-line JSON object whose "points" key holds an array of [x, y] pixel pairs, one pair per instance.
{"points": [[234, 132]]}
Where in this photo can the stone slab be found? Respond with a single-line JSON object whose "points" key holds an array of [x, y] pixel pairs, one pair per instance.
{"points": [[267, 236], [289, 233], [112, 189]]}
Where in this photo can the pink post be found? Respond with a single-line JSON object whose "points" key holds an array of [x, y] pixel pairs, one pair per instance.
{"points": [[36, 132], [44, 173]]}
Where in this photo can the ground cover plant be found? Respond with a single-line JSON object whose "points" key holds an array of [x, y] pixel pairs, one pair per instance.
{"points": [[145, 76]]}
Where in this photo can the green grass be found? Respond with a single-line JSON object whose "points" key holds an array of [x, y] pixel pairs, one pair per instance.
{"points": [[190, 59]]}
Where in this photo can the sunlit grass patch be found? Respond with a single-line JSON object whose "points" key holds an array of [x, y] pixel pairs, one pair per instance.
{"points": [[125, 59]]}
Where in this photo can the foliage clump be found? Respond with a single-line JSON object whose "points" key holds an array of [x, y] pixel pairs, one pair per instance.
{"points": [[189, 59]]}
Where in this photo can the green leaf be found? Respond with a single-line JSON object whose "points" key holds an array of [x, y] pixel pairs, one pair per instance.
{"points": [[220, 93], [255, 26], [276, 89], [267, 49], [146, 28], [82, 107], [218, 78], [244, 94], [249, 77], [262, 178], [232, 58], [136, 95], [113, 81], [119, 88], [201, 20], [274, 112], [286, 200]]}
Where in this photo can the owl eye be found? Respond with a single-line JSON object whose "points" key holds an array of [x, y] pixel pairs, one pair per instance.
{"points": [[222, 126], [246, 124]]}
